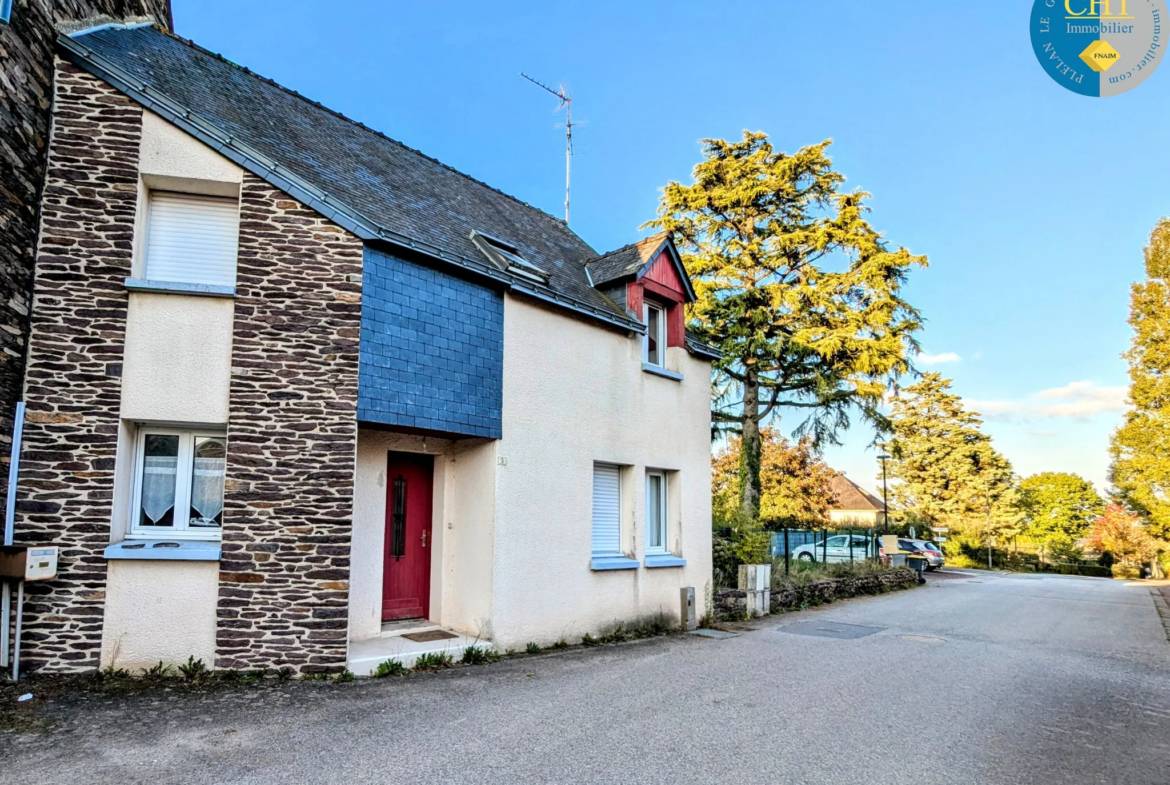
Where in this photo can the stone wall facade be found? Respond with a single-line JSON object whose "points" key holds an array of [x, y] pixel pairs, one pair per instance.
{"points": [[74, 366], [26, 90], [292, 430], [292, 438]]}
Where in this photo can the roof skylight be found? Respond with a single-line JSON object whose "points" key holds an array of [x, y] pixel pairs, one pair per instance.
{"points": [[507, 257]]}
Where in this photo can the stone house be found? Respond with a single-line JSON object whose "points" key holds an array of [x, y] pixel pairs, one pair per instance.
{"points": [[297, 392], [28, 34]]}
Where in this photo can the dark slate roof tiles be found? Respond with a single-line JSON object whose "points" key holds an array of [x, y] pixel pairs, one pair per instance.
{"points": [[391, 185], [625, 261]]}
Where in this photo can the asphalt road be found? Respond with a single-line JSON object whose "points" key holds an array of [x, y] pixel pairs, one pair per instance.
{"points": [[994, 679]]}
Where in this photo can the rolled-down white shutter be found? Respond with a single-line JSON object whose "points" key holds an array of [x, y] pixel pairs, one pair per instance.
{"points": [[192, 239], [607, 514]]}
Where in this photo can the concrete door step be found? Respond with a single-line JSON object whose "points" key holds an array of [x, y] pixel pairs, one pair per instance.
{"points": [[365, 656]]}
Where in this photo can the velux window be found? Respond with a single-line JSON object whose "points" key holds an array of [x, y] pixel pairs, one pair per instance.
{"points": [[654, 346], [192, 239], [656, 534], [507, 257], [178, 483]]}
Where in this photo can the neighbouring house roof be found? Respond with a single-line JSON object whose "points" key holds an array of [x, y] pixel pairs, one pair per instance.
{"points": [[377, 188], [851, 497]]}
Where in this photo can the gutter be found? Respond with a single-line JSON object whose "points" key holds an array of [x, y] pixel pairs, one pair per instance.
{"points": [[322, 202]]}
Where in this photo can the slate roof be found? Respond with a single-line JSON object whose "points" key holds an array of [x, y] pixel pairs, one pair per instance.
{"points": [[627, 260], [851, 496], [372, 185]]}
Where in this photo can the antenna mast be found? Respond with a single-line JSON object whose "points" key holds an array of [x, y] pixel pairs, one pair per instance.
{"points": [[567, 103]]}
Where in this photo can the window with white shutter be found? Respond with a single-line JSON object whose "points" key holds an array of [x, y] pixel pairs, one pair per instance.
{"points": [[607, 513], [192, 239]]}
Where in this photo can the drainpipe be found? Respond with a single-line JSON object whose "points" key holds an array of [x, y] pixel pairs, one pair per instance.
{"points": [[9, 530]]}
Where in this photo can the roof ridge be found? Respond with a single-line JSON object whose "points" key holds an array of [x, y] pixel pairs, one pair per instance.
{"points": [[628, 246], [188, 42]]}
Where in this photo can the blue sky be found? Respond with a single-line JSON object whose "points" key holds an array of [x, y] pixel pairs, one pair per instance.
{"points": [[1032, 203]]}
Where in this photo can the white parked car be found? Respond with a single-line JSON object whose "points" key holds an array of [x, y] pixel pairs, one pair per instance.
{"points": [[836, 549]]}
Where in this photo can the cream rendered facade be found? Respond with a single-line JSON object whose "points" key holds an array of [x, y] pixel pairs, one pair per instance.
{"points": [[177, 371], [512, 518], [860, 518], [511, 551]]}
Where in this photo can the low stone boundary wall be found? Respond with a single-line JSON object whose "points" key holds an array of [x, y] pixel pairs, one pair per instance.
{"points": [[730, 603]]}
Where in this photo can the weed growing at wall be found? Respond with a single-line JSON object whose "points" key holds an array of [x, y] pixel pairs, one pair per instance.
{"points": [[433, 661], [391, 667]]}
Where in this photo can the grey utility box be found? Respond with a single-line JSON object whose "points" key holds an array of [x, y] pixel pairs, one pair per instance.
{"points": [[689, 619], [21, 563]]}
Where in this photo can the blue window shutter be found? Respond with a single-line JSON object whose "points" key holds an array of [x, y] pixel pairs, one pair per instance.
{"points": [[607, 513]]}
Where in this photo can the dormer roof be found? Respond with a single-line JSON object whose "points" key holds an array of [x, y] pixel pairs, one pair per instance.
{"points": [[632, 261]]}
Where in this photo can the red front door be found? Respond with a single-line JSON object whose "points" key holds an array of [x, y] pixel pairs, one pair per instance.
{"points": [[406, 577]]}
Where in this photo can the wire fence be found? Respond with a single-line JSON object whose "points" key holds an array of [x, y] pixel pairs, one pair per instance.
{"points": [[827, 546]]}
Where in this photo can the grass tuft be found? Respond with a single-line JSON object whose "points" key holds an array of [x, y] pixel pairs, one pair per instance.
{"points": [[391, 667], [433, 661], [194, 670], [479, 655], [532, 648]]}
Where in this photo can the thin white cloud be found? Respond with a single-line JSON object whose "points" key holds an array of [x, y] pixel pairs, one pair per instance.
{"points": [[1076, 401], [938, 359]]}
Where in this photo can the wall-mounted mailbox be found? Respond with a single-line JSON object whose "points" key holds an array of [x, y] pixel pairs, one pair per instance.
{"points": [[22, 563]]}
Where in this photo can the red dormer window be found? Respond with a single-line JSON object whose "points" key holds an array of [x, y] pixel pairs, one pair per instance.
{"points": [[656, 341]]}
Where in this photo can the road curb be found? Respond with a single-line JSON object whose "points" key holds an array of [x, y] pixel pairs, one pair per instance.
{"points": [[1163, 607]]}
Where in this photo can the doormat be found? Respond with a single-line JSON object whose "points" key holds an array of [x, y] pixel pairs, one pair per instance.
{"points": [[429, 635]]}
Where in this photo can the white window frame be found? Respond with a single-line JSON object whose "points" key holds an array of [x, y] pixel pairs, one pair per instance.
{"points": [[663, 524], [181, 530], [660, 338]]}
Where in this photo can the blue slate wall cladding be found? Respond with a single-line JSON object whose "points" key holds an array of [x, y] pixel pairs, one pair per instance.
{"points": [[432, 349]]}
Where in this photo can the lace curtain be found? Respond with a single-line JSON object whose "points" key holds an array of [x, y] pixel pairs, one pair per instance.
{"points": [[159, 473]]}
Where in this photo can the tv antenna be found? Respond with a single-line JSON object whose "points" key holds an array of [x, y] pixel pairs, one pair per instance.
{"points": [[567, 103]]}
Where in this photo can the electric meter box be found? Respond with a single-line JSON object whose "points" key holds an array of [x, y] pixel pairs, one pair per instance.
{"points": [[22, 563]]}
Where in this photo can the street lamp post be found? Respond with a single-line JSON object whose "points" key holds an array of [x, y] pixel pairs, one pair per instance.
{"points": [[885, 500]]}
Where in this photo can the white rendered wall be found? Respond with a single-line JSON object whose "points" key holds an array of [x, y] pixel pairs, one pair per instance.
{"points": [[461, 528], [575, 394], [176, 370], [177, 362], [159, 611]]}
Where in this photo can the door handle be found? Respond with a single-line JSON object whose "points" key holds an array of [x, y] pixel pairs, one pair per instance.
{"points": [[424, 538]]}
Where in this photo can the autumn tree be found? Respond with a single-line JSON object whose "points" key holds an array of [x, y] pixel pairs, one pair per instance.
{"points": [[944, 469], [1058, 509], [1140, 448], [795, 288], [795, 482], [1121, 533]]}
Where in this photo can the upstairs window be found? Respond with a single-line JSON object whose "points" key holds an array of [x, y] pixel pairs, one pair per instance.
{"points": [[654, 352], [178, 485], [507, 257], [192, 239], [5, 10]]}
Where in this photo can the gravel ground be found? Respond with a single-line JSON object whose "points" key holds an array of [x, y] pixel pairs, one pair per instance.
{"points": [[983, 679]]}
